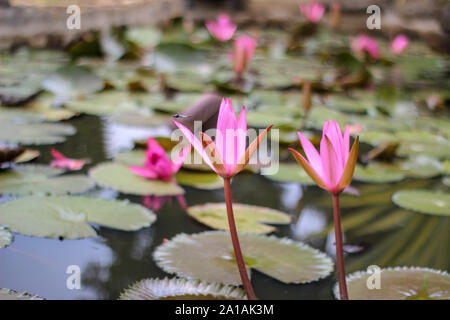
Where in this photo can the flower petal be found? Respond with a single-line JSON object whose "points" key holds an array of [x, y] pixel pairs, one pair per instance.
{"points": [[311, 153], [330, 163], [347, 175], [309, 170], [195, 143], [144, 172], [178, 161], [243, 161], [210, 149]]}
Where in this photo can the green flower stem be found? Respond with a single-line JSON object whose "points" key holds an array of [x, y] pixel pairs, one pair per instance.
{"points": [[339, 248], [235, 240]]}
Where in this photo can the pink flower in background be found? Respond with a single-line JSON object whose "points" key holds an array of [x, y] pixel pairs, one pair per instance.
{"points": [[228, 154], [313, 11], [222, 29], [333, 168], [158, 164], [244, 48], [66, 163], [156, 202], [399, 44], [364, 43]]}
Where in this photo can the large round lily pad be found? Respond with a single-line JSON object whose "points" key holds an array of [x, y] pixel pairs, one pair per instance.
{"points": [[209, 255], [181, 289], [41, 179], [248, 218], [5, 237], [118, 176], [9, 294], [399, 284], [68, 217], [35, 133], [429, 202]]}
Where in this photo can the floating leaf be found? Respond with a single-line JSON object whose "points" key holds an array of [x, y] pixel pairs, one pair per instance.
{"points": [[181, 289], [141, 118], [34, 133], [41, 179], [68, 217], [291, 172], [107, 102], [192, 256], [5, 237], [169, 57], [377, 174], [72, 81], [432, 149], [118, 176], [248, 218], [401, 283], [423, 201], [446, 181], [200, 180], [9, 294]]}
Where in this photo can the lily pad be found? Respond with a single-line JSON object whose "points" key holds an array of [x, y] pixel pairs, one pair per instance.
{"points": [[250, 219], [429, 202], [208, 256], [5, 237], [68, 217], [181, 289], [118, 176], [141, 118], [374, 173], [9, 294], [291, 172], [199, 180], [401, 283], [432, 149], [41, 179], [107, 102], [35, 133], [72, 81]]}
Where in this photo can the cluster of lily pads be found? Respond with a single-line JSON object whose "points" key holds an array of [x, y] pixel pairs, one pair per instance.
{"points": [[140, 77]]}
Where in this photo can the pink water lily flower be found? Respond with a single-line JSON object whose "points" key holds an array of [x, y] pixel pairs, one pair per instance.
{"points": [[228, 154], [222, 29], [158, 165], [244, 48], [364, 43], [399, 44], [66, 163], [333, 168], [313, 11]]}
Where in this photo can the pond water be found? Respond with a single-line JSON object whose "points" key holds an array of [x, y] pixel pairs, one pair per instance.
{"points": [[376, 231]]}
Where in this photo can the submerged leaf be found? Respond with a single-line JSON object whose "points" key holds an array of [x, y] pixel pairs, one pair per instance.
{"points": [[288, 261], [180, 289], [248, 218]]}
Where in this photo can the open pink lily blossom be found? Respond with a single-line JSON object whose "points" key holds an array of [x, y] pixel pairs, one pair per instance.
{"points": [[364, 43], [222, 29], [399, 44], [244, 48], [158, 165], [333, 168], [313, 11], [228, 155], [66, 163]]}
